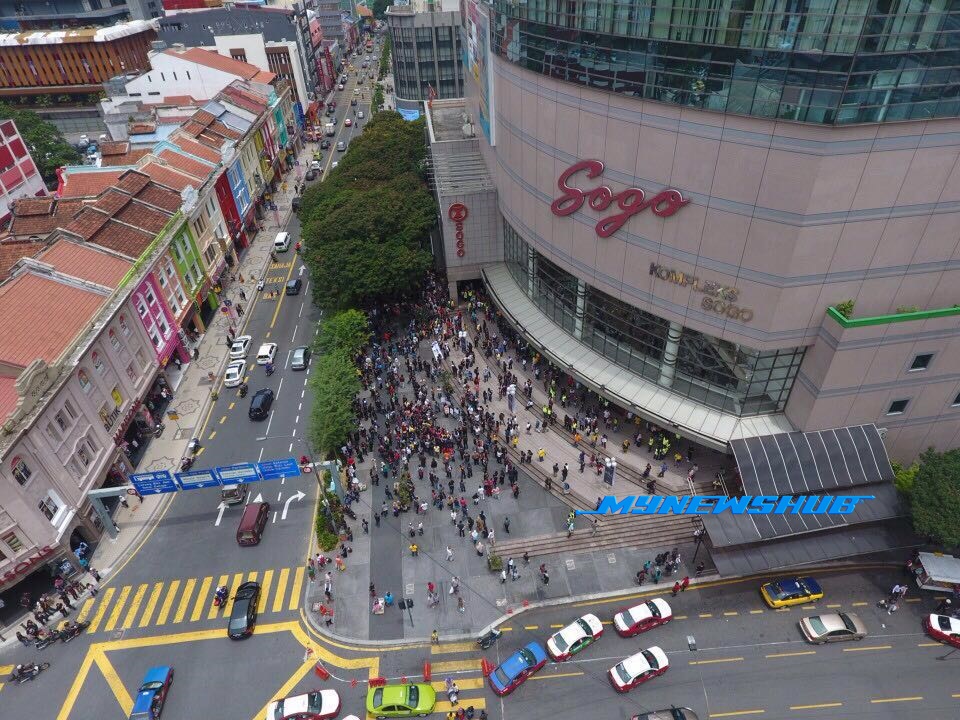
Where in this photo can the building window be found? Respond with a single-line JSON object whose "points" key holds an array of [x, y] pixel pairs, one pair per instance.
{"points": [[897, 407], [13, 542], [98, 364], [114, 340], [84, 380], [132, 373], [124, 328], [49, 506], [921, 362], [21, 471], [151, 298], [53, 433], [83, 454], [61, 420], [142, 309], [141, 358], [68, 408]]}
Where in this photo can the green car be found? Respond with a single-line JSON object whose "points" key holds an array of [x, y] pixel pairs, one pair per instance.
{"points": [[401, 700]]}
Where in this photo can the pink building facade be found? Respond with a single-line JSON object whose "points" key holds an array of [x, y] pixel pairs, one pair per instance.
{"points": [[157, 319], [683, 262]]}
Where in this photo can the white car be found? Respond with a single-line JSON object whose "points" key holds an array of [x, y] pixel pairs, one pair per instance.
{"points": [[335, 163], [316, 705], [234, 374], [241, 347], [315, 165], [266, 353], [359, 114], [340, 86], [639, 668], [574, 637]]}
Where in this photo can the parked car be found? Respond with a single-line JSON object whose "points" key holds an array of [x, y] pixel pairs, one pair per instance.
{"points": [[260, 404], [266, 353], [243, 614], [310, 175], [233, 376], [401, 700], [325, 144], [642, 617], [832, 627], [301, 358], [316, 705], [152, 693], [943, 628], [791, 591], [240, 347], [637, 669], [513, 671], [574, 637]]}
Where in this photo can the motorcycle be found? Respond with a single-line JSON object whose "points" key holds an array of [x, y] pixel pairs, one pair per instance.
{"points": [[243, 390], [158, 429], [29, 672], [186, 464], [46, 641], [351, 514], [269, 369], [485, 641], [73, 631], [220, 596]]}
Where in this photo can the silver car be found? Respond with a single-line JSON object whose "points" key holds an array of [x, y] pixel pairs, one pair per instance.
{"points": [[833, 627], [300, 359], [674, 713]]}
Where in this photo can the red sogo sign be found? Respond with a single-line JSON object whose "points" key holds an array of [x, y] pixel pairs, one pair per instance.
{"points": [[23, 566], [631, 201], [458, 213]]}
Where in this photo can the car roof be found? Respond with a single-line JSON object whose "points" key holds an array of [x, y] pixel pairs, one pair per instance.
{"points": [[952, 622], [329, 699], [263, 392], [267, 346], [398, 693], [243, 338], [145, 698], [636, 664], [240, 364], [247, 587], [156, 674], [515, 664]]}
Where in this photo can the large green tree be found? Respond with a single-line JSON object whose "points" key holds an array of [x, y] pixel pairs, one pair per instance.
{"points": [[345, 331], [45, 142], [366, 226], [335, 384], [380, 8], [935, 499]]}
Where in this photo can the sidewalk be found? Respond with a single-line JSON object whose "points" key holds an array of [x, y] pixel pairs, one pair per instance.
{"points": [[191, 400]]}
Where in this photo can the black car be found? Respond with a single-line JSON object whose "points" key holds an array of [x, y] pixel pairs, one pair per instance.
{"points": [[243, 615], [311, 175], [324, 144], [260, 404], [353, 102]]}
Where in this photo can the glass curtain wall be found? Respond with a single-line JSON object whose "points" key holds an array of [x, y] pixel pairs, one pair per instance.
{"points": [[717, 373], [819, 61]]}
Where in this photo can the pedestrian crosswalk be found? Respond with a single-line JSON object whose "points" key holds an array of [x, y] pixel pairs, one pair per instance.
{"points": [[187, 600], [465, 672]]}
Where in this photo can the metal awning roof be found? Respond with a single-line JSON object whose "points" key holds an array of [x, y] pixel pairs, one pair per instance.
{"points": [[843, 461], [814, 548], [942, 568]]}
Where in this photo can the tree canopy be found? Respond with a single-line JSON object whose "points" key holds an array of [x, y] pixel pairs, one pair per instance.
{"points": [[380, 8], [935, 498], [345, 331], [365, 227], [335, 385], [44, 141]]}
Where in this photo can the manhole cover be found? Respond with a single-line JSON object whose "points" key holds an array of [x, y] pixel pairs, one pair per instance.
{"points": [[184, 433]]}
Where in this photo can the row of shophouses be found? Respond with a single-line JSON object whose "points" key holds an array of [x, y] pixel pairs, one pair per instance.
{"points": [[121, 272]]}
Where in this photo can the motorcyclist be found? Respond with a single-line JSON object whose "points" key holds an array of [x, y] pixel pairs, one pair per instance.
{"points": [[243, 389], [23, 671], [221, 594], [297, 246], [269, 368]]}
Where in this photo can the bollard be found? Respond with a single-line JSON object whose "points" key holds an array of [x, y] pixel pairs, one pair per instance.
{"points": [[427, 672], [353, 682], [377, 682], [321, 671], [526, 603], [486, 667], [403, 680]]}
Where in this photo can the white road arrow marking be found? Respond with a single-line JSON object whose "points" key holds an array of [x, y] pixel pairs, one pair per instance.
{"points": [[258, 498], [221, 507], [302, 268], [286, 506]]}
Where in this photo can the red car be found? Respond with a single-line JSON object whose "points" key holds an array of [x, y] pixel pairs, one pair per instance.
{"points": [[943, 628], [642, 617]]}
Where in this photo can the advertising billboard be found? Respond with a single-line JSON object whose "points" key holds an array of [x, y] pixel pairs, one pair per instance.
{"points": [[476, 61]]}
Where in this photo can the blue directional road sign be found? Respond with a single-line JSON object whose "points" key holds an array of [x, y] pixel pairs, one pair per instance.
{"points": [[233, 474], [154, 483], [276, 469], [196, 479]]}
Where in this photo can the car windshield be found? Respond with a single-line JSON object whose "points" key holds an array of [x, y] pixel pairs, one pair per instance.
{"points": [[943, 622], [583, 626], [654, 610], [238, 621], [560, 642], [154, 685], [848, 623], [314, 702], [502, 677], [378, 697], [621, 672], [413, 695], [528, 657], [651, 660], [817, 625]]}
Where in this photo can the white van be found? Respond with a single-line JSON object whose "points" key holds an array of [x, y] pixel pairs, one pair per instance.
{"points": [[282, 243]]}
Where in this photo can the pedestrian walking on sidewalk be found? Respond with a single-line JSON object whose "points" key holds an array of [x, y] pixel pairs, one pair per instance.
{"points": [[434, 638], [460, 606], [449, 551], [684, 583], [676, 588], [506, 525], [503, 576], [565, 471]]}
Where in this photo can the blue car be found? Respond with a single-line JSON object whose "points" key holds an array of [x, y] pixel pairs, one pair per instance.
{"points": [[152, 693], [517, 668]]}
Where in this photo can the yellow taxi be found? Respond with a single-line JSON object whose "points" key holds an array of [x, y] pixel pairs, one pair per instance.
{"points": [[791, 591]]}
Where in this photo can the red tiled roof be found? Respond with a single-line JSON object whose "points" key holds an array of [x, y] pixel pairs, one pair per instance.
{"points": [[123, 239], [114, 147], [86, 262], [8, 397], [111, 201], [11, 252], [160, 197], [140, 128], [57, 214], [87, 223], [246, 100], [133, 182], [185, 164], [264, 77], [204, 117], [193, 147], [168, 177], [27, 303], [144, 217], [180, 100], [221, 129], [194, 128], [128, 158], [88, 183], [216, 61], [33, 206]]}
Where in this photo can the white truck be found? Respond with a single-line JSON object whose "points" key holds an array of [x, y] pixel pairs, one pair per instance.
{"points": [[329, 129]]}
